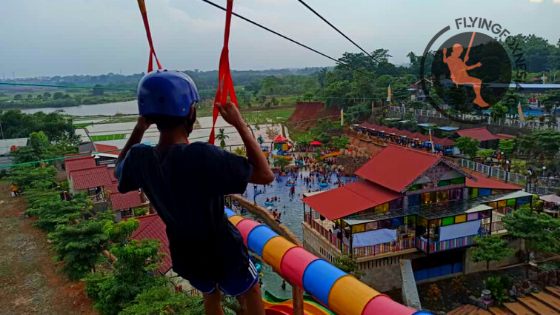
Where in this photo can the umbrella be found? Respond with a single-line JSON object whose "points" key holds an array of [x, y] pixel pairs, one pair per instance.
{"points": [[280, 139], [315, 143]]}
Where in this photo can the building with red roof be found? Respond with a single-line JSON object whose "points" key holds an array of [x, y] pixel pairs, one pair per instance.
{"points": [[349, 199], [89, 178], [484, 136], [78, 163], [407, 138], [481, 134], [105, 148], [396, 167], [124, 204], [152, 227], [407, 203]]}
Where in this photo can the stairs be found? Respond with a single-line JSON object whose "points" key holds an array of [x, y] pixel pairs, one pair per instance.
{"points": [[469, 310], [546, 302]]}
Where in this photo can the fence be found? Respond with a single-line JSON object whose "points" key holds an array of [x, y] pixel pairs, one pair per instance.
{"points": [[493, 171], [540, 185], [438, 246], [389, 247], [508, 122]]}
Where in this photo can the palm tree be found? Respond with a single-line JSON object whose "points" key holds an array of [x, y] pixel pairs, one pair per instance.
{"points": [[222, 137]]}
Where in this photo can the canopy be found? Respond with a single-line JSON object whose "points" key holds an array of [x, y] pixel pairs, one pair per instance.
{"points": [[280, 139], [315, 143], [551, 198]]}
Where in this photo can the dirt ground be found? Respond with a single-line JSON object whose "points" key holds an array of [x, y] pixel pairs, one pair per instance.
{"points": [[29, 277]]}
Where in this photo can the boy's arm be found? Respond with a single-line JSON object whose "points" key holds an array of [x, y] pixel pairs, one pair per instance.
{"points": [[261, 171], [135, 137]]}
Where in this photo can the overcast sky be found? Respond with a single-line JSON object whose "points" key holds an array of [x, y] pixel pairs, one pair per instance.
{"points": [[61, 37]]}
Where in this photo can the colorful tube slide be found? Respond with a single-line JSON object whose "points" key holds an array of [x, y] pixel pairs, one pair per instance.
{"points": [[330, 286]]}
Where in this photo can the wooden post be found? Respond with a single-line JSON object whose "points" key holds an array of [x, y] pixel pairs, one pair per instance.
{"points": [[297, 300]]}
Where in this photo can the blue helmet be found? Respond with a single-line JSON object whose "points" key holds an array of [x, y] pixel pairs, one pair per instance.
{"points": [[166, 93]]}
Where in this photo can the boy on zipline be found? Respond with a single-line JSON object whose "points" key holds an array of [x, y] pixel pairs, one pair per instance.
{"points": [[186, 183]]}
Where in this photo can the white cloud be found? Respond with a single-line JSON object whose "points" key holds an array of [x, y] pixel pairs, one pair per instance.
{"points": [[556, 1], [536, 1]]}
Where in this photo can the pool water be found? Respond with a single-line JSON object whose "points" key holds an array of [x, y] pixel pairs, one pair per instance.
{"points": [[291, 210]]}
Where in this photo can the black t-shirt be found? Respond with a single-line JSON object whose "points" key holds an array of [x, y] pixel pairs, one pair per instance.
{"points": [[186, 184]]}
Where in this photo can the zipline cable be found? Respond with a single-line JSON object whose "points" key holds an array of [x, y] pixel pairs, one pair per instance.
{"points": [[337, 61], [335, 28], [273, 32]]}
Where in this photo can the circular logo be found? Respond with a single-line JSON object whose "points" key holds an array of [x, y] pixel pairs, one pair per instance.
{"points": [[471, 71], [468, 73]]}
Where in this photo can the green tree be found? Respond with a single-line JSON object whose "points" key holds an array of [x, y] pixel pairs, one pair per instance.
{"points": [[221, 136], [541, 144], [540, 231], [347, 264], [507, 146], [498, 111], [98, 90], [490, 248], [340, 142], [79, 246], [33, 177], [51, 211], [468, 146], [120, 232], [484, 153], [133, 273], [161, 300]]}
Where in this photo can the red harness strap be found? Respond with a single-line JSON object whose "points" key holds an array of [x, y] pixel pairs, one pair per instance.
{"points": [[153, 55], [225, 82]]}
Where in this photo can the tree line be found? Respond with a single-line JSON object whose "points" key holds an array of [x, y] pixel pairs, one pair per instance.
{"points": [[120, 273]]}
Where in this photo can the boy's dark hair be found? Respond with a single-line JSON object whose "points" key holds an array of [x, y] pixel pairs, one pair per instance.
{"points": [[166, 123]]}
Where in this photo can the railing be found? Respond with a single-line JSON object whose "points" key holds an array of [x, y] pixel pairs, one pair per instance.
{"points": [[495, 227], [494, 171], [384, 248], [359, 252], [540, 185], [439, 246], [326, 234]]}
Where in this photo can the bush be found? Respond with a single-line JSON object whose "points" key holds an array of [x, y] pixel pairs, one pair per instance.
{"points": [[499, 287]]}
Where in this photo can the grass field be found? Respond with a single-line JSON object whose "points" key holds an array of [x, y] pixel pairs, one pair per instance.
{"points": [[274, 115], [252, 116], [116, 136]]}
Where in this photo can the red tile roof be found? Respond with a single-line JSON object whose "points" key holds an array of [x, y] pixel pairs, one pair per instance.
{"points": [[105, 148], [480, 134], [396, 167], [409, 134], [505, 136], [79, 163], [479, 180], [90, 178], [129, 200], [152, 227], [349, 199]]}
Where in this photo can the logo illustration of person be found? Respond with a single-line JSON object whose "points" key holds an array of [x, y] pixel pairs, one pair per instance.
{"points": [[458, 68]]}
